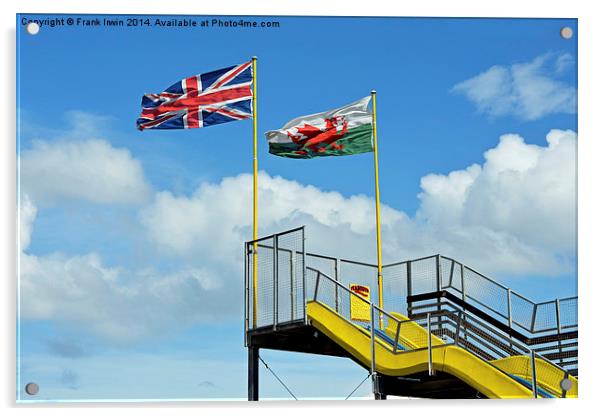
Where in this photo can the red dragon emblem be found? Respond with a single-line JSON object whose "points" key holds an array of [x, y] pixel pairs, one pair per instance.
{"points": [[315, 140]]}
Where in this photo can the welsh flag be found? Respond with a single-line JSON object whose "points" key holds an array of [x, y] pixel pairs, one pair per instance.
{"points": [[340, 132]]}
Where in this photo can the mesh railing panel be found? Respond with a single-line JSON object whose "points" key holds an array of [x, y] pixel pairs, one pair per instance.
{"points": [[413, 334], [366, 275], [457, 282], [568, 313], [395, 288], [523, 311], [279, 279], [285, 285], [509, 355], [265, 283], [335, 297], [486, 293], [290, 277], [545, 317], [424, 275], [300, 273], [325, 265], [448, 270]]}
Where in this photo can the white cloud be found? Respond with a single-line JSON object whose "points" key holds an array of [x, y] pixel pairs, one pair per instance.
{"points": [[529, 191], [529, 90], [515, 214], [27, 215], [216, 219], [91, 170], [113, 303]]}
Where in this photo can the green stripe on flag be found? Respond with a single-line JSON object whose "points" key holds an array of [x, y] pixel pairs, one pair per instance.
{"points": [[357, 140]]}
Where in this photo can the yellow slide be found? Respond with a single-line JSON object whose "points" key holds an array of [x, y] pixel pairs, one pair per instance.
{"points": [[489, 378]]}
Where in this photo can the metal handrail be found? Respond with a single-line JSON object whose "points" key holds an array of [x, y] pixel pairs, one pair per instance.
{"points": [[481, 275], [429, 317], [358, 263], [454, 262], [502, 315], [429, 343], [522, 350], [373, 307], [521, 321], [534, 305], [320, 273], [414, 260], [476, 272], [321, 256], [504, 338], [399, 263], [292, 230], [518, 295], [339, 284], [501, 286], [250, 251]]}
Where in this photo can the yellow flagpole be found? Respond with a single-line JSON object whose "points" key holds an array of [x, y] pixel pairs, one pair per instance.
{"points": [[254, 191], [377, 197]]}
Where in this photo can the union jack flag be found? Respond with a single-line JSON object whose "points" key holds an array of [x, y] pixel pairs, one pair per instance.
{"points": [[201, 100]]}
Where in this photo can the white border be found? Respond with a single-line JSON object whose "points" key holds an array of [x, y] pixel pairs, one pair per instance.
{"points": [[590, 33]]}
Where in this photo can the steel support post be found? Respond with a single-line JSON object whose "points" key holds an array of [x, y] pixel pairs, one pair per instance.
{"points": [[438, 290], [462, 282], [246, 293], [396, 337], [463, 296], [304, 271], [533, 318], [438, 282], [409, 286], [533, 375], [429, 343], [253, 374], [509, 300], [372, 353], [293, 280], [337, 268], [559, 329], [275, 289], [379, 390]]}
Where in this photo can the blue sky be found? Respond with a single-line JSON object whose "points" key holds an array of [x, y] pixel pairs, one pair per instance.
{"points": [[119, 211]]}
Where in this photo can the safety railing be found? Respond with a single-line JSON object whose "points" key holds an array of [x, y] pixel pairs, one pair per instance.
{"points": [[280, 270], [383, 328], [275, 280], [277, 285], [432, 330], [490, 343], [437, 273], [518, 311]]}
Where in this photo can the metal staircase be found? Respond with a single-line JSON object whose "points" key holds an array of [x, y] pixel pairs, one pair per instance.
{"points": [[451, 301]]}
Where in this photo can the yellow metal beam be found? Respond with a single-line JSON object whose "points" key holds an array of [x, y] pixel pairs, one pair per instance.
{"points": [[254, 191], [377, 197]]}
